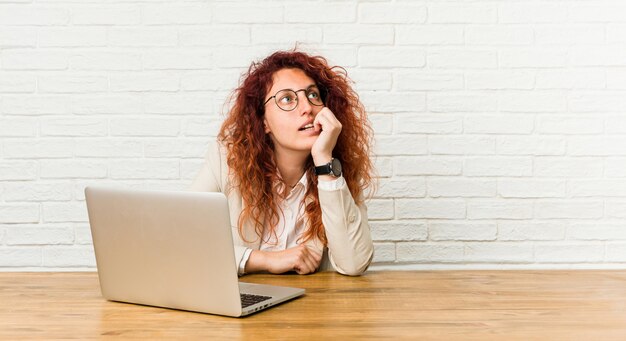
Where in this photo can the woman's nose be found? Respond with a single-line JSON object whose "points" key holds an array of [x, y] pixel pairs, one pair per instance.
{"points": [[303, 104]]}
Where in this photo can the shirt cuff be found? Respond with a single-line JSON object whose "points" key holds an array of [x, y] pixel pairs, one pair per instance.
{"points": [[331, 185], [244, 260]]}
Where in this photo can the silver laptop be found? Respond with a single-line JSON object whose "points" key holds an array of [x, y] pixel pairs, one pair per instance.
{"points": [[174, 250]]}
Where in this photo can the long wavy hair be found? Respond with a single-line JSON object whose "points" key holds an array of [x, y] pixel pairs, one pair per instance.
{"points": [[250, 153]]}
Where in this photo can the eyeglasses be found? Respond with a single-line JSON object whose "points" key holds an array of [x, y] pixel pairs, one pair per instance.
{"points": [[287, 99]]}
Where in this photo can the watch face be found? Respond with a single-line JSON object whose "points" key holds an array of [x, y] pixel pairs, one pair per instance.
{"points": [[336, 166]]}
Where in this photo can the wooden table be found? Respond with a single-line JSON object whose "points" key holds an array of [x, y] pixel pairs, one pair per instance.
{"points": [[424, 305]]}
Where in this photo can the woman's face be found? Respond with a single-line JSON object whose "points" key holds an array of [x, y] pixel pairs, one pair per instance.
{"points": [[291, 130]]}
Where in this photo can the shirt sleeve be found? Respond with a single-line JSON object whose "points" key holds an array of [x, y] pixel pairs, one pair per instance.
{"points": [[244, 260], [331, 185]]}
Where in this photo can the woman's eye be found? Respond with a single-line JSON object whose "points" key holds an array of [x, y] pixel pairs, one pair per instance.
{"points": [[286, 99], [314, 94]]}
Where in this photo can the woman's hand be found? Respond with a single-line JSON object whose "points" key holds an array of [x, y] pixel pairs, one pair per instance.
{"points": [[300, 259], [322, 150]]}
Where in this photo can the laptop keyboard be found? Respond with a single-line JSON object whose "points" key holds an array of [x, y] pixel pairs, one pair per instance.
{"points": [[249, 299]]}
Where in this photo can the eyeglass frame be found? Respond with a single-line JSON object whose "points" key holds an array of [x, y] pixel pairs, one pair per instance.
{"points": [[297, 98]]}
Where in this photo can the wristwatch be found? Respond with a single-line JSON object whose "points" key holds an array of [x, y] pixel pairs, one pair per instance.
{"points": [[332, 168]]}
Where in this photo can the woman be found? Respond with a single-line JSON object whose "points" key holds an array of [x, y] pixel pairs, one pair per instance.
{"points": [[293, 159]]}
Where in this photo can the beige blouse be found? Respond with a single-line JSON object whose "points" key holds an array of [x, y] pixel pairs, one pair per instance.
{"points": [[350, 249]]}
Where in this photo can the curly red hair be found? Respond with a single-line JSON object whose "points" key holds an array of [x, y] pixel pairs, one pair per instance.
{"points": [[250, 155]]}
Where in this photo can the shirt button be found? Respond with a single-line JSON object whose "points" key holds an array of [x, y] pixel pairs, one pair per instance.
{"points": [[352, 218]]}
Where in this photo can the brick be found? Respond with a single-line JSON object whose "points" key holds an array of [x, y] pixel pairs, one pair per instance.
{"points": [[430, 34], [210, 80], [383, 101], [597, 55], [500, 209], [597, 188], [37, 191], [65, 212], [179, 14], [285, 34], [109, 148], [500, 79], [524, 231], [578, 167], [59, 169], [107, 104], [382, 124], [400, 145], [138, 37], [145, 81], [499, 124], [17, 127], [571, 79], [215, 36], [458, 13], [600, 13], [424, 80], [189, 169], [569, 209], [498, 166], [108, 15], [32, 104], [451, 231], [514, 13], [174, 148], [177, 60], [596, 145], [595, 231], [239, 57], [615, 252], [561, 34], [384, 252], [15, 36], [462, 58], [401, 188], [33, 59], [206, 126], [19, 213], [18, 170], [398, 231], [428, 124], [98, 61], [82, 235], [429, 208], [533, 57], [20, 256], [429, 253], [461, 145], [615, 209], [37, 235], [392, 57], [535, 101], [69, 257], [145, 127], [369, 79], [427, 166], [569, 253], [145, 169], [358, 34], [498, 252], [383, 165], [615, 125], [17, 15], [320, 14], [11, 82], [72, 126], [259, 13], [380, 209], [454, 187], [593, 102], [614, 167], [501, 35], [72, 37], [176, 103], [525, 188], [530, 145], [382, 13], [451, 101], [570, 124], [72, 84], [338, 55], [615, 33]]}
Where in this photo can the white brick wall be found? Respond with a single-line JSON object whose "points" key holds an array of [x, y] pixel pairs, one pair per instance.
{"points": [[500, 125]]}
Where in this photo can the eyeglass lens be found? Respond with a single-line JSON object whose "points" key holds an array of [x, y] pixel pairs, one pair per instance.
{"points": [[288, 99]]}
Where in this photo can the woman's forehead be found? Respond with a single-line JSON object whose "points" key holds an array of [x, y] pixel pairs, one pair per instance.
{"points": [[290, 79]]}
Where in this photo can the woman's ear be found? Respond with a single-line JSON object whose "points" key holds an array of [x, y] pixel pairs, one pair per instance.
{"points": [[266, 126]]}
